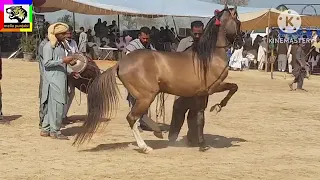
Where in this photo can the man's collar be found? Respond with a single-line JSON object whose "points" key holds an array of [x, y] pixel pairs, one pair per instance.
{"points": [[191, 39]]}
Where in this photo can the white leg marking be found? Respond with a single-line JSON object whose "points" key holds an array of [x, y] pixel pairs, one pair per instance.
{"points": [[141, 144]]}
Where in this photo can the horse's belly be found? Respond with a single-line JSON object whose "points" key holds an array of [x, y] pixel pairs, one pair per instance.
{"points": [[181, 88]]}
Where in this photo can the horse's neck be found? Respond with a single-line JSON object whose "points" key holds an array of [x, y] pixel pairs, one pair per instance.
{"points": [[221, 44]]}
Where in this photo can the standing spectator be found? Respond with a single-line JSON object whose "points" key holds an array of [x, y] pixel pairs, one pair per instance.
{"points": [[71, 88], [83, 40], [97, 28], [282, 57], [40, 60], [54, 78]]}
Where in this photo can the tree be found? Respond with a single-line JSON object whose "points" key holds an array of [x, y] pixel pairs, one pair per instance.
{"points": [[131, 22], [233, 2], [128, 22], [67, 18], [87, 25]]}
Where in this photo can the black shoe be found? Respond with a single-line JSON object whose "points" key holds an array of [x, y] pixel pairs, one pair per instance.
{"points": [[144, 126]]}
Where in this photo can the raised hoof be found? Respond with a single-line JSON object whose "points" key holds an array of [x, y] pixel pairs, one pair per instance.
{"points": [[204, 148], [158, 134], [291, 86], [147, 150], [216, 107]]}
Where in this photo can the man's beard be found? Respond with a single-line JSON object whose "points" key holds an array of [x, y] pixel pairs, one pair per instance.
{"points": [[145, 44], [196, 39]]}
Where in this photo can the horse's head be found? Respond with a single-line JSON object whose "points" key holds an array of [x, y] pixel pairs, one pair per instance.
{"points": [[229, 21]]}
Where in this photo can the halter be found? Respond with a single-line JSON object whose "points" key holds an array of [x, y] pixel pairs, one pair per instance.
{"points": [[217, 16]]}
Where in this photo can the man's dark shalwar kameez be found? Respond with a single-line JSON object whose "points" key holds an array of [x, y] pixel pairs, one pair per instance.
{"points": [[299, 65]]}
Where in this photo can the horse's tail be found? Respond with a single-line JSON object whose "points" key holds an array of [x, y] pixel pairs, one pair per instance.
{"points": [[103, 99]]}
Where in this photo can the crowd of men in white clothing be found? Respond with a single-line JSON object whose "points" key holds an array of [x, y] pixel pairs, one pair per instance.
{"points": [[254, 54]]}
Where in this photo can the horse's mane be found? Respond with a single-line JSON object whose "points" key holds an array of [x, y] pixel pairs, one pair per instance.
{"points": [[206, 45]]}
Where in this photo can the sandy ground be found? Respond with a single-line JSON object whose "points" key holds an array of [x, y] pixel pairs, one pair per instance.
{"points": [[265, 132]]}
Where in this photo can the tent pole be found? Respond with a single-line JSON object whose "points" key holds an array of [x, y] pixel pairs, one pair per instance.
{"points": [[268, 36], [74, 21], [175, 26], [119, 23]]}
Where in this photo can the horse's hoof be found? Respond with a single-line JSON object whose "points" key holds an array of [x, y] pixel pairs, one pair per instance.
{"points": [[216, 107], [147, 150], [204, 148], [158, 134]]}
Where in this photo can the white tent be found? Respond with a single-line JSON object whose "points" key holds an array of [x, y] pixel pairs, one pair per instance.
{"points": [[251, 18], [155, 8]]}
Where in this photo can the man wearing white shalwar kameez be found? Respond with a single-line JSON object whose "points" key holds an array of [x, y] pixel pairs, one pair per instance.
{"points": [[236, 59], [83, 41], [262, 57], [73, 48]]}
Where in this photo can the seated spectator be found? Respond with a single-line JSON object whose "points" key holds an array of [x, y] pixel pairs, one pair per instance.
{"points": [[120, 44]]}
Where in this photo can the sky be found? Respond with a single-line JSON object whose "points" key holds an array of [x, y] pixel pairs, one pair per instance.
{"points": [[90, 20]]}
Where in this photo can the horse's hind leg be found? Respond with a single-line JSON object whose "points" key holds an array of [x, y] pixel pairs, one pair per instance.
{"points": [[233, 88], [140, 106]]}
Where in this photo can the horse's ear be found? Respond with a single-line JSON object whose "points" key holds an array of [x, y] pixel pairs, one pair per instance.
{"points": [[235, 8], [226, 5]]}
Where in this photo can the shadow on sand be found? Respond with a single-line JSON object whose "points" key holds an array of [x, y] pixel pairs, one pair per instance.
{"points": [[214, 141], [82, 118], [77, 118], [8, 119], [217, 141], [155, 144]]}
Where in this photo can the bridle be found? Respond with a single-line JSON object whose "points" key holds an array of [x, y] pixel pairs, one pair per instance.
{"points": [[218, 23], [218, 15]]}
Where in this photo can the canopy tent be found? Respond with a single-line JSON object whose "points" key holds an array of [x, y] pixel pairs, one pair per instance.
{"points": [[155, 8], [268, 18], [251, 18], [43, 6]]}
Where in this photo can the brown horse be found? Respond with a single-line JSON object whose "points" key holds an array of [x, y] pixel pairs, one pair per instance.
{"points": [[199, 71]]}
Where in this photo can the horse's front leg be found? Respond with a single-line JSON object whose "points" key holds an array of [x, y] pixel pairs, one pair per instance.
{"points": [[233, 88]]}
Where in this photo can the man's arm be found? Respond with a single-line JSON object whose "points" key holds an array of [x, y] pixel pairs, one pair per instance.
{"points": [[181, 46], [129, 48], [48, 60]]}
